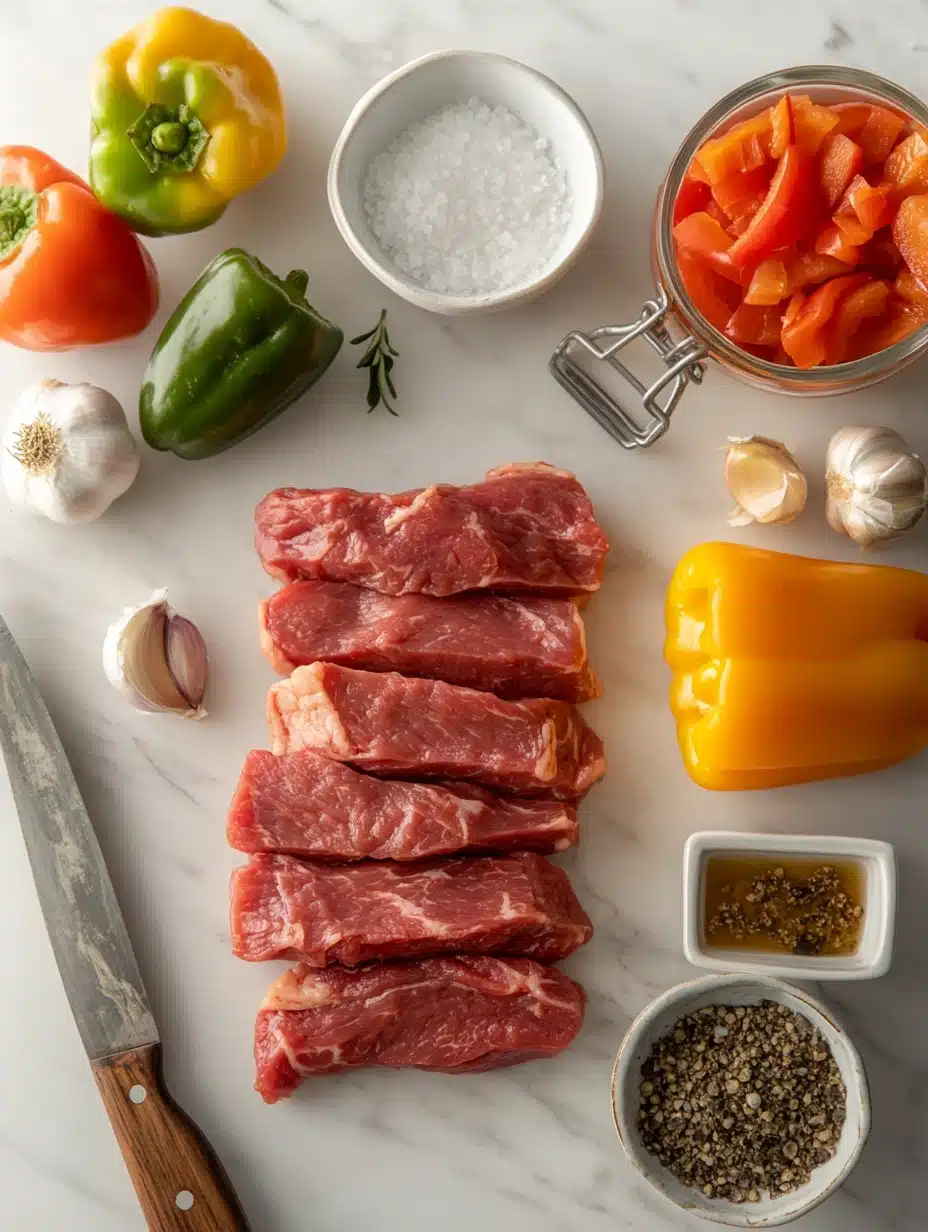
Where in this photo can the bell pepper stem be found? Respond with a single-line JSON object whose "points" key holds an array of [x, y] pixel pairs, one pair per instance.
{"points": [[169, 138], [18, 212], [297, 281]]}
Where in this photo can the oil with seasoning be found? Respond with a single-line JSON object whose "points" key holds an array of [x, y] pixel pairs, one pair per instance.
{"points": [[782, 905]]}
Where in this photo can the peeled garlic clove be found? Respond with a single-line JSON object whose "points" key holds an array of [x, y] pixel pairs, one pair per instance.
{"points": [[876, 487], [157, 659], [766, 481]]}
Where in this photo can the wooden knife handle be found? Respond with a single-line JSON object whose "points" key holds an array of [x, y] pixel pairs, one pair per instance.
{"points": [[180, 1183]]}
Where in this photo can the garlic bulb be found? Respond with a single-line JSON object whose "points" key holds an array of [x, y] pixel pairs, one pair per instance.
{"points": [[157, 658], [875, 487], [67, 451], [766, 481]]}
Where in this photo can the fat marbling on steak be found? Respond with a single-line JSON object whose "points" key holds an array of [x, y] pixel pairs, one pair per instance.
{"points": [[455, 1015], [320, 914], [527, 526], [308, 805], [400, 727], [526, 646]]}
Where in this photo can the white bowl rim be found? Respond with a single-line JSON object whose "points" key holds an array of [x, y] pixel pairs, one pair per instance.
{"points": [[681, 994], [405, 287], [705, 843]]}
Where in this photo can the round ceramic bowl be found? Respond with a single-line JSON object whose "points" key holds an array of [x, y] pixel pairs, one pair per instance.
{"points": [[659, 1018], [419, 89]]}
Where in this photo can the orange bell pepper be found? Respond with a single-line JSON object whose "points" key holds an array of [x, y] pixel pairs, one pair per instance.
{"points": [[71, 273], [787, 669], [841, 159], [786, 212], [910, 231], [851, 117]]}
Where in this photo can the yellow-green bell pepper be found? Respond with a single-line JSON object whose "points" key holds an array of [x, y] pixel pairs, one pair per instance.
{"points": [[186, 114]]}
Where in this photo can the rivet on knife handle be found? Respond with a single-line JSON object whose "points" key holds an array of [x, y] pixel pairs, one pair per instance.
{"points": [[181, 1185]]}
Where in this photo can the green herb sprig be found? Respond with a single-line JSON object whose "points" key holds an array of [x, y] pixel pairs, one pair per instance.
{"points": [[378, 358]]}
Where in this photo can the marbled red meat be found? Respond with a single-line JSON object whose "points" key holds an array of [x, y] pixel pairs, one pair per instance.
{"points": [[309, 805], [401, 727], [320, 914], [514, 647], [455, 1015], [528, 526]]}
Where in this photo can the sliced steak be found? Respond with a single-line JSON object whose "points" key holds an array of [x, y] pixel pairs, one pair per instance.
{"points": [[455, 1015], [401, 727], [309, 805], [353, 913], [529, 647], [528, 526]]}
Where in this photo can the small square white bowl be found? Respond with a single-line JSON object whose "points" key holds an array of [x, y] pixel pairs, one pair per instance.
{"points": [[873, 955]]}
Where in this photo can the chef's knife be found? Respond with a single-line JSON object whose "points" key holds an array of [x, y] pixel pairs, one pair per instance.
{"points": [[180, 1183]]}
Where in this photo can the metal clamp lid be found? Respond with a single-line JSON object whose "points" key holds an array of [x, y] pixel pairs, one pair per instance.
{"points": [[681, 359]]}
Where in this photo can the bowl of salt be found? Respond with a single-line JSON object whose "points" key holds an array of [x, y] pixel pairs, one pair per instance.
{"points": [[466, 182]]}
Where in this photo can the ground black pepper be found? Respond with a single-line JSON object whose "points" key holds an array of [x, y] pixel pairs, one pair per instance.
{"points": [[742, 1100]]}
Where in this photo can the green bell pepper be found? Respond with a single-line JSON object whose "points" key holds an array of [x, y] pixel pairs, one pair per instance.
{"points": [[241, 346]]}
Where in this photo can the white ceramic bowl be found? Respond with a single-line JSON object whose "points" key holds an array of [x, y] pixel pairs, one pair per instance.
{"points": [[421, 88], [659, 1018], [875, 950]]}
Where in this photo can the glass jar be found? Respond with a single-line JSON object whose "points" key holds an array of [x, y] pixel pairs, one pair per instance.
{"points": [[671, 323]]}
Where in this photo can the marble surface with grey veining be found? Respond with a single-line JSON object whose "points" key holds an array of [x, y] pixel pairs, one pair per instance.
{"points": [[530, 1149]]}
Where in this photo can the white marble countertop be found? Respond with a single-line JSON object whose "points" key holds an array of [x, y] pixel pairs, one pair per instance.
{"points": [[531, 1148]]}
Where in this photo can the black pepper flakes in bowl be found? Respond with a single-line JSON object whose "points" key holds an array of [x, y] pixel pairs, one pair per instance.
{"points": [[740, 1099]]}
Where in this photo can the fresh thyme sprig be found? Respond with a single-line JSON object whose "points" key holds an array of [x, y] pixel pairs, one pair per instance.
{"points": [[378, 358]]}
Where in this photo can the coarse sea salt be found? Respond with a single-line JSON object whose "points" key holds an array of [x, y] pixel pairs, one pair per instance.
{"points": [[469, 201]]}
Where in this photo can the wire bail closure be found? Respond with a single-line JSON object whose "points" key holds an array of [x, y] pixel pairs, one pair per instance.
{"points": [[682, 361]]}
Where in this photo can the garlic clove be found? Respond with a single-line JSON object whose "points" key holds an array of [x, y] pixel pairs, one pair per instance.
{"points": [[766, 481], [185, 652], [157, 659], [876, 487]]}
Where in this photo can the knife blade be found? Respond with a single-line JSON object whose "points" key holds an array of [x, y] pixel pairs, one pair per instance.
{"points": [[180, 1183]]}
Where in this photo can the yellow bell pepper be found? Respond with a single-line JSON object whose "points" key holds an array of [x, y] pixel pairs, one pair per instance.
{"points": [[186, 114], [788, 669]]}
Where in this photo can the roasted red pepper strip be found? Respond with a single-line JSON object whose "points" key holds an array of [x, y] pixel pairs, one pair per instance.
{"points": [[71, 273], [910, 231], [693, 195], [769, 283], [781, 124], [811, 123], [803, 337], [786, 213], [714, 297], [702, 236], [832, 241], [840, 160], [753, 325], [879, 134], [861, 304]]}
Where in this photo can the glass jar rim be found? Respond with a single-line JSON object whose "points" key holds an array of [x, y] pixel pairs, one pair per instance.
{"points": [[809, 75]]}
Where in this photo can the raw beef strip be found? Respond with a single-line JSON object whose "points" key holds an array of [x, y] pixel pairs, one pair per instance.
{"points": [[530, 647], [526, 527], [402, 727], [308, 805], [352, 913], [455, 1015]]}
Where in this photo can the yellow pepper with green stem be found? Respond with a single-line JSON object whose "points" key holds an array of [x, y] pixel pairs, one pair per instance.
{"points": [[186, 114], [788, 669]]}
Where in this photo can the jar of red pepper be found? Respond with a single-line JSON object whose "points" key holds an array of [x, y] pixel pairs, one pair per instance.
{"points": [[789, 247]]}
